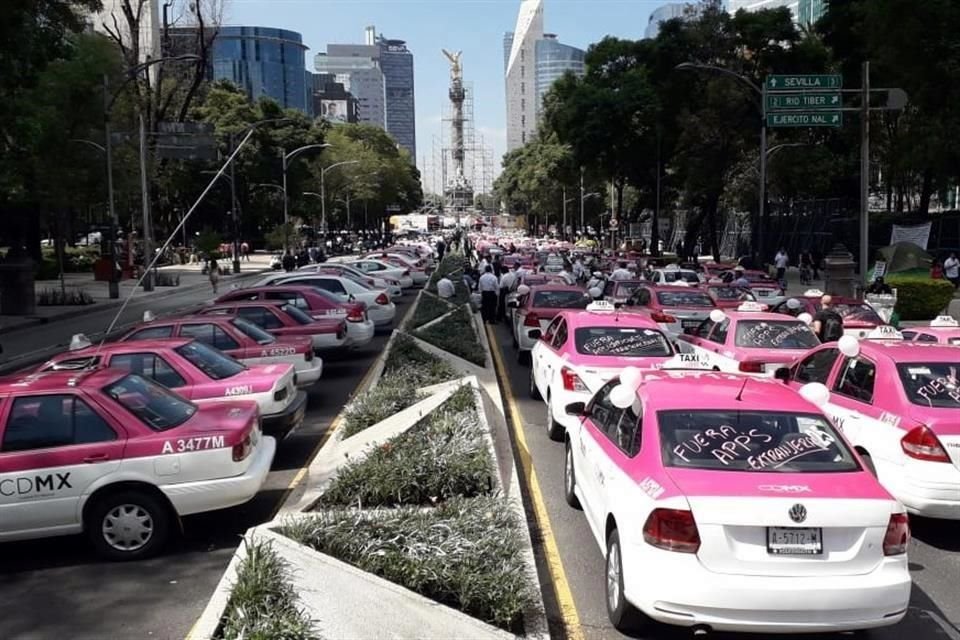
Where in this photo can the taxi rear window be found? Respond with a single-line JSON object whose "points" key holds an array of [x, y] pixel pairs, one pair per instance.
{"points": [[561, 300], [215, 364], [297, 314], [627, 289], [684, 299], [624, 342], [252, 331], [686, 276], [766, 334], [758, 441], [151, 403], [931, 384], [857, 313]]}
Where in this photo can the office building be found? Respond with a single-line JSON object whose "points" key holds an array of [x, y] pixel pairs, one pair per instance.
{"points": [[396, 63], [332, 101], [757, 5], [809, 11], [667, 12], [553, 60], [520, 74], [110, 20], [357, 68]]}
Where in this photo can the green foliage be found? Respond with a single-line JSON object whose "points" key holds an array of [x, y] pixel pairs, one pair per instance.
{"points": [[263, 601], [439, 458], [456, 335], [429, 308], [391, 395], [282, 234], [920, 299], [417, 367], [467, 553], [63, 298], [209, 242]]}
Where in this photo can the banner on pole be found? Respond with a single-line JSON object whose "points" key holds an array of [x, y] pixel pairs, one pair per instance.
{"points": [[918, 234]]}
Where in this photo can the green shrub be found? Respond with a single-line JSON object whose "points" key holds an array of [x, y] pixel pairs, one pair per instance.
{"points": [[467, 553], [57, 297], [456, 335], [429, 308], [263, 602], [421, 369], [47, 269], [451, 265], [441, 457], [921, 299], [391, 395]]}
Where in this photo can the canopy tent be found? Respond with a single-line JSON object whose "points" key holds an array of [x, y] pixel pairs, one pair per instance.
{"points": [[905, 256]]}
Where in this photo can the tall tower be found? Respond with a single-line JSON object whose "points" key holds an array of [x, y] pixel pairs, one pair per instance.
{"points": [[521, 90]]}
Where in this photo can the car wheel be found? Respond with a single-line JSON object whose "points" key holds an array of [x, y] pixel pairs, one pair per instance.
{"points": [[533, 391], [128, 525], [554, 429], [623, 616], [569, 478], [868, 463]]}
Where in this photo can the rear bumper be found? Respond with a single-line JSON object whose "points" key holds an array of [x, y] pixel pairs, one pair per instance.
{"points": [[383, 314], [933, 498], [280, 425], [210, 495], [308, 372], [359, 334], [689, 595]]}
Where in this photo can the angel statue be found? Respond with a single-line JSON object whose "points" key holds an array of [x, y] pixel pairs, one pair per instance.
{"points": [[455, 69]]}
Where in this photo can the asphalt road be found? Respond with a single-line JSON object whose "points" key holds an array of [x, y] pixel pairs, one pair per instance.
{"points": [[57, 588], [934, 553]]}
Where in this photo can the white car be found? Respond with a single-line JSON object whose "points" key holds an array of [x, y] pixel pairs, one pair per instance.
{"points": [[379, 307], [392, 285], [669, 276], [416, 267], [381, 269]]}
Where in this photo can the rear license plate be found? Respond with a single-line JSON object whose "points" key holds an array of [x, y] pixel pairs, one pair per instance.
{"points": [[690, 324], [794, 541], [762, 293]]}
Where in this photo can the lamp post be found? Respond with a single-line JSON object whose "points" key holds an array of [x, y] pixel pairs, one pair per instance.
{"points": [[323, 193], [287, 157], [757, 229]]}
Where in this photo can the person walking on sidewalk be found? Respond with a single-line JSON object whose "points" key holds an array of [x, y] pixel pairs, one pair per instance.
{"points": [[780, 261], [214, 273], [951, 268], [489, 286]]}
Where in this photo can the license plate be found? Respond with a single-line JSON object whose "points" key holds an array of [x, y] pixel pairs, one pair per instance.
{"points": [[794, 541], [690, 324], [762, 293]]}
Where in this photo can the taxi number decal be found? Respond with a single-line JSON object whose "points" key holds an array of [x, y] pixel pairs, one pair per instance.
{"points": [[651, 487], [280, 351], [890, 418], [238, 391], [193, 444]]}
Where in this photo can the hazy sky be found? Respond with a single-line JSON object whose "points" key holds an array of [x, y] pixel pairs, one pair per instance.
{"points": [[474, 26]]}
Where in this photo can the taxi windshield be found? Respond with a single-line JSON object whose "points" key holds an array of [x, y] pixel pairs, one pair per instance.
{"points": [[622, 342], [684, 299], [252, 331], [154, 405], [214, 363], [296, 313], [759, 441], [561, 300], [931, 384], [684, 276], [627, 289], [766, 334], [733, 293]]}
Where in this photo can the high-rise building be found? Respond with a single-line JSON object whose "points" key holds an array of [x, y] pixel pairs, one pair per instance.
{"points": [[757, 5], [667, 12], [111, 20], [553, 59], [810, 11], [332, 101], [521, 80], [357, 68], [396, 62]]}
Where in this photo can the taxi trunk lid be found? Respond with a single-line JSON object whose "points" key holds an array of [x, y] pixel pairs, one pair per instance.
{"points": [[748, 523]]}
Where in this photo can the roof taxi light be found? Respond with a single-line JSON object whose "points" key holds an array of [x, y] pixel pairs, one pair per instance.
{"points": [[944, 321], [79, 341]]}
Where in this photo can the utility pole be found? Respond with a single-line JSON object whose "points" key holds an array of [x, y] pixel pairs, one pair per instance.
{"points": [[114, 285], [582, 225], [145, 189], [563, 232], [762, 204], [865, 174], [655, 227], [236, 209]]}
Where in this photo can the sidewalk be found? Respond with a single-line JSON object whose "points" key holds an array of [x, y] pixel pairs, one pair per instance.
{"points": [[191, 280]]}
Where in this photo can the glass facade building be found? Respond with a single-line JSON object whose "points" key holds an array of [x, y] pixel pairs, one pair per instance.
{"points": [[553, 59], [396, 63], [757, 5], [810, 11], [667, 12], [264, 62]]}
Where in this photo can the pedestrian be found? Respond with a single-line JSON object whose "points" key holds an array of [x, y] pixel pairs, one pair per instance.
{"points": [[740, 280], [497, 266], [507, 282], [879, 287], [579, 273], [445, 288], [288, 262], [489, 287], [951, 268], [780, 261], [214, 273], [936, 270], [441, 248], [805, 268], [621, 273], [245, 251], [828, 324]]}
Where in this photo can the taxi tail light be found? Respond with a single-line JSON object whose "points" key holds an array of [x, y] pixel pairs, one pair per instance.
{"points": [[922, 444], [571, 381], [308, 356], [355, 315], [659, 316], [382, 299], [751, 367], [532, 320], [898, 535], [242, 450], [672, 530]]}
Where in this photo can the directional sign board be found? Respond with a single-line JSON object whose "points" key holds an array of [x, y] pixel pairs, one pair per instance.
{"points": [[803, 101], [795, 82], [802, 119]]}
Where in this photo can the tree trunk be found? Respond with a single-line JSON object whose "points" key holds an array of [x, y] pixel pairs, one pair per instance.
{"points": [[926, 190]]}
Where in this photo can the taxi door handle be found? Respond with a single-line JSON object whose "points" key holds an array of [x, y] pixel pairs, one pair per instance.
{"points": [[96, 457]]}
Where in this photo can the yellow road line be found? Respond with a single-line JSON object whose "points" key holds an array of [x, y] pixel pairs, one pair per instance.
{"points": [[561, 587]]}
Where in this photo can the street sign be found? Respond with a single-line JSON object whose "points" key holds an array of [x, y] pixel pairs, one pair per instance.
{"points": [[803, 101], [799, 119], [793, 82], [614, 223]]}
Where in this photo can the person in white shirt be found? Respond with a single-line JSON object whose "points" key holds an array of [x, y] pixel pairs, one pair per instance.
{"points": [[483, 264], [567, 277], [489, 287], [578, 271], [445, 288], [951, 269], [596, 281], [507, 282], [622, 273], [780, 261]]}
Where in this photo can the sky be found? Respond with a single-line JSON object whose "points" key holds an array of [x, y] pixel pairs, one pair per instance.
{"points": [[474, 26]]}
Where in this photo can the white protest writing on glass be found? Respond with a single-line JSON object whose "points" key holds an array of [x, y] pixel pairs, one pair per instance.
{"points": [[940, 386], [724, 443]]}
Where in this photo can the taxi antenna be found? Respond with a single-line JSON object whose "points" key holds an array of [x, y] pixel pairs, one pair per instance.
{"points": [[742, 387]]}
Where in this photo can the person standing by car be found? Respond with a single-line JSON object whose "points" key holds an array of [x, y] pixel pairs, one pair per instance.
{"points": [[214, 274], [507, 282], [441, 249], [621, 273], [828, 324], [288, 262], [489, 287], [781, 261], [951, 268]]}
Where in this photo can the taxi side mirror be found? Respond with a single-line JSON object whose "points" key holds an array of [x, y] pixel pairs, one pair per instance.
{"points": [[783, 373], [535, 334], [578, 409]]}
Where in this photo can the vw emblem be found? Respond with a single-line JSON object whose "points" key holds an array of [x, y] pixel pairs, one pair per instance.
{"points": [[798, 513]]}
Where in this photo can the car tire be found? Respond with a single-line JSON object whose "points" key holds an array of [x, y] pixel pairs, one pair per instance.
{"points": [[532, 386], [868, 463], [623, 615], [569, 478], [128, 525], [554, 429]]}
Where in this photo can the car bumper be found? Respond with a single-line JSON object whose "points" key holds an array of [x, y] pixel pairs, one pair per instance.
{"points": [[406, 282], [210, 495], [280, 425], [524, 341], [936, 495], [327, 342], [419, 277], [383, 314], [359, 334], [694, 596], [308, 372]]}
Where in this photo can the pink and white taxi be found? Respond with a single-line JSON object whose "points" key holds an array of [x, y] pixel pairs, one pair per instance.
{"points": [[581, 350], [898, 403], [200, 373], [942, 330], [749, 340], [120, 458], [735, 507]]}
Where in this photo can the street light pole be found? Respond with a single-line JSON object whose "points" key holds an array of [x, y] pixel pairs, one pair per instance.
{"points": [[582, 226], [113, 284], [145, 202], [323, 194], [236, 213], [287, 157]]}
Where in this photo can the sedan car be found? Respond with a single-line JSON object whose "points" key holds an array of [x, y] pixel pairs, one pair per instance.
{"points": [[381, 269], [674, 308], [200, 373], [284, 319], [942, 330], [416, 266], [120, 458], [735, 508], [239, 339], [669, 276], [897, 403], [534, 310], [379, 307], [581, 350], [728, 296], [619, 291], [391, 285], [766, 289], [859, 318]]}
